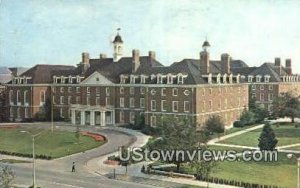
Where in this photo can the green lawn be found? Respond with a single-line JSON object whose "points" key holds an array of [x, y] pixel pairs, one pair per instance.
{"points": [[286, 134], [294, 148], [56, 144], [268, 173]]}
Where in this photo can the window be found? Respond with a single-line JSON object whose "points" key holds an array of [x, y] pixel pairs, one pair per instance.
{"points": [[69, 89], [203, 106], [77, 99], [121, 102], [143, 79], [258, 78], [26, 113], [11, 97], [42, 98], [132, 117], [163, 105], [153, 121], [123, 79], [18, 112], [153, 105], [131, 90], [262, 96], [61, 112], [11, 112], [88, 90], [121, 117], [132, 79], [253, 95], [163, 92], [88, 100], [270, 87], [107, 101], [270, 96], [62, 89], [97, 100], [26, 98], [77, 89], [131, 102], [142, 103], [107, 91], [267, 78], [53, 100], [18, 98], [180, 79], [142, 90], [61, 100], [250, 78], [169, 79], [159, 79], [175, 106], [262, 87], [175, 91], [97, 79], [253, 87], [210, 105], [186, 106], [69, 99], [98, 91], [121, 90], [53, 89]]}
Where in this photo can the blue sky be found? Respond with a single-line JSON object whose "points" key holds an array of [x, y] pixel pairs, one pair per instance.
{"points": [[58, 31]]}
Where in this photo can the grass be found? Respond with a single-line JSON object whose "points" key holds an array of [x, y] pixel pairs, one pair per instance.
{"points": [[13, 161], [286, 134], [56, 144], [267, 173], [294, 148]]}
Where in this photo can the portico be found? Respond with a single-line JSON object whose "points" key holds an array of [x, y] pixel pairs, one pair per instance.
{"points": [[92, 115]]}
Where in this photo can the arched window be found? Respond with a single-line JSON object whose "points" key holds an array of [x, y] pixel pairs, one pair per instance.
{"points": [[18, 112], [11, 112]]}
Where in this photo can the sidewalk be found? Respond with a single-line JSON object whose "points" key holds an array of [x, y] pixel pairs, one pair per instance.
{"points": [[134, 171]]}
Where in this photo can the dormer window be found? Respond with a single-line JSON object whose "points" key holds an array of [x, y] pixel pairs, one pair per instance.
{"points": [[225, 78], [159, 79], [132, 79], [267, 78], [219, 78], [122, 79], [78, 79], [88, 90], [230, 79], [180, 79], [169, 79], [153, 76], [70, 79], [62, 80], [250, 78], [143, 79], [258, 78]]}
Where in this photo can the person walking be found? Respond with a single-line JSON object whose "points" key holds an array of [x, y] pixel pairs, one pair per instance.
{"points": [[73, 167]]}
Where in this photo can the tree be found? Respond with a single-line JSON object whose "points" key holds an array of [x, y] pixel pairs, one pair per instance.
{"points": [[214, 124], [6, 176], [177, 134], [267, 139], [287, 105], [247, 117], [139, 121], [203, 168]]}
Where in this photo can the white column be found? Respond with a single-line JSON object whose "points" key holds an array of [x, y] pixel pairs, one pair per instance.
{"points": [[102, 118], [92, 118], [82, 119], [73, 117]]}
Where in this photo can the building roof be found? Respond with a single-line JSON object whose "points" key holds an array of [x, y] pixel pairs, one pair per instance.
{"points": [[5, 75], [118, 38], [17, 71], [43, 73]]}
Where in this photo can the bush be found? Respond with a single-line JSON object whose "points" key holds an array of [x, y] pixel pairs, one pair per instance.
{"points": [[214, 125], [248, 118], [238, 124], [151, 131]]}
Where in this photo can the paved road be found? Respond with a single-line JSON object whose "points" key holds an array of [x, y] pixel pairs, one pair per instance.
{"points": [[57, 173]]}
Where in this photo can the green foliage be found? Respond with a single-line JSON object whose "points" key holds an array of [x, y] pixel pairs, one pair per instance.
{"points": [[247, 118], [286, 105], [267, 139], [139, 122], [214, 124], [6, 176]]}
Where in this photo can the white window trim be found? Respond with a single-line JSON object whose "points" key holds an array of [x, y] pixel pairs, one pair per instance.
{"points": [[163, 91], [153, 107], [173, 105], [122, 102], [131, 102], [142, 102], [185, 104], [162, 105], [173, 92]]}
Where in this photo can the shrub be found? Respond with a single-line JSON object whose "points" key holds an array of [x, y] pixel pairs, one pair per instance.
{"points": [[238, 124]]}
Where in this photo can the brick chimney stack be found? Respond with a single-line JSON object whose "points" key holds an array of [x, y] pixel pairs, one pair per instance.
{"points": [[288, 66], [85, 63], [225, 63], [102, 56], [135, 60], [152, 55], [204, 62], [278, 65]]}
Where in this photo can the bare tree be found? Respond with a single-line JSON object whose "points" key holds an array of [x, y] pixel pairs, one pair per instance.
{"points": [[6, 176]]}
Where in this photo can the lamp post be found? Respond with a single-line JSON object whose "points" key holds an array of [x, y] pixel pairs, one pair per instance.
{"points": [[298, 167], [33, 156]]}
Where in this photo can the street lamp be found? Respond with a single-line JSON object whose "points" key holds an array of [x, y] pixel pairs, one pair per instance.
{"points": [[290, 156], [33, 155]]}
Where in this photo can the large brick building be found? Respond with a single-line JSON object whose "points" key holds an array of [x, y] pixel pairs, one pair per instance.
{"points": [[106, 90]]}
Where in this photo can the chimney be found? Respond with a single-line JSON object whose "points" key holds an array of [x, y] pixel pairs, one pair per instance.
{"points": [[288, 66], [152, 55], [204, 62], [135, 60], [225, 63], [278, 64], [85, 63], [102, 56]]}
